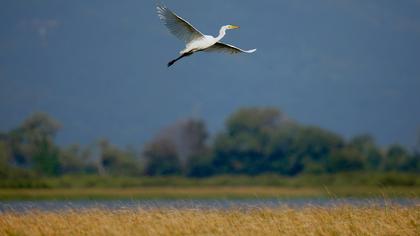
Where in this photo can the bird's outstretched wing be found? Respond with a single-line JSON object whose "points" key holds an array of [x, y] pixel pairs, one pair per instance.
{"points": [[227, 48], [178, 26]]}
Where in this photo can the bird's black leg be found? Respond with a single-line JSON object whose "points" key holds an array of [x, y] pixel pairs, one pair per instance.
{"points": [[179, 58]]}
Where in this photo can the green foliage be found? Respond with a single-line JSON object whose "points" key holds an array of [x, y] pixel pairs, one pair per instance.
{"points": [[246, 147], [11, 176], [162, 158], [200, 166], [46, 160], [4, 166], [31, 144], [73, 160], [238, 154], [255, 142], [117, 162], [254, 120], [180, 148], [262, 140], [348, 179], [396, 158], [346, 159], [367, 148]]}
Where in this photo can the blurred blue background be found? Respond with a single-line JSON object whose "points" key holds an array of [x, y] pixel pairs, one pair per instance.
{"points": [[99, 67]]}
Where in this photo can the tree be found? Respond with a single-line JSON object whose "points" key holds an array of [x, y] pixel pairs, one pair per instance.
{"points": [[282, 158], [200, 166], [32, 144], [73, 160], [396, 158], [238, 154], [8, 171], [117, 162], [345, 160], [259, 140], [39, 126], [4, 162], [182, 144], [298, 148], [188, 137], [161, 158], [46, 159], [365, 145], [255, 120], [244, 147]]}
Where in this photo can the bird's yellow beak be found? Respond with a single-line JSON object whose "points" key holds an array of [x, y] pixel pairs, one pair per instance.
{"points": [[233, 27]]}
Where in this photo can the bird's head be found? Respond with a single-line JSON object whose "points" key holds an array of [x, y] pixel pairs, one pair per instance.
{"points": [[230, 27]]}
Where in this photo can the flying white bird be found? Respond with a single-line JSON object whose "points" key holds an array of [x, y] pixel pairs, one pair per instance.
{"points": [[196, 41]]}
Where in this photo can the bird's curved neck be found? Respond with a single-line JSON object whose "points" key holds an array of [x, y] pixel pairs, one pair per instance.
{"points": [[222, 33]]}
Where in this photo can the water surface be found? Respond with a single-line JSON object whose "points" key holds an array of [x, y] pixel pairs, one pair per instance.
{"points": [[59, 205]]}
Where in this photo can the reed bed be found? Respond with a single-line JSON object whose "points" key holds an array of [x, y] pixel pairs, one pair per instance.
{"points": [[309, 220]]}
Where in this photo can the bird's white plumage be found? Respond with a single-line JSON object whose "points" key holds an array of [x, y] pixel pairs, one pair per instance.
{"points": [[223, 47], [178, 26], [195, 40]]}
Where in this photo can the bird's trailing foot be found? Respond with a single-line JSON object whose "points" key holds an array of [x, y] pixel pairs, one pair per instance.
{"points": [[171, 63], [179, 58]]}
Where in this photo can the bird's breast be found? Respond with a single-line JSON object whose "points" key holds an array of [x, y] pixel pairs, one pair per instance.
{"points": [[202, 43]]}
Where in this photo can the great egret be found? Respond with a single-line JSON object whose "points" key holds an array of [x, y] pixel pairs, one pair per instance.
{"points": [[195, 41]]}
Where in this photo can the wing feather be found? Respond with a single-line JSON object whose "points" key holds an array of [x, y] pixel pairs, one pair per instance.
{"points": [[227, 48], [179, 27]]}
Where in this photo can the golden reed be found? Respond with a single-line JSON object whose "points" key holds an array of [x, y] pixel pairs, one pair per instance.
{"points": [[310, 220]]}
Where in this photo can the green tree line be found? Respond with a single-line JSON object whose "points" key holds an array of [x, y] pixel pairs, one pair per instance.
{"points": [[254, 141]]}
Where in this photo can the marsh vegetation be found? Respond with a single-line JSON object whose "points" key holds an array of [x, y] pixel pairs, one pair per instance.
{"points": [[310, 220]]}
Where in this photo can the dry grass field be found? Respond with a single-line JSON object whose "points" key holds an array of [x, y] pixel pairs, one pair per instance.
{"points": [[310, 220]]}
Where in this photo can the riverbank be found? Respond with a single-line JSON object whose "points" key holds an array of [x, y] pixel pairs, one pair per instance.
{"points": [[209, 192]]}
